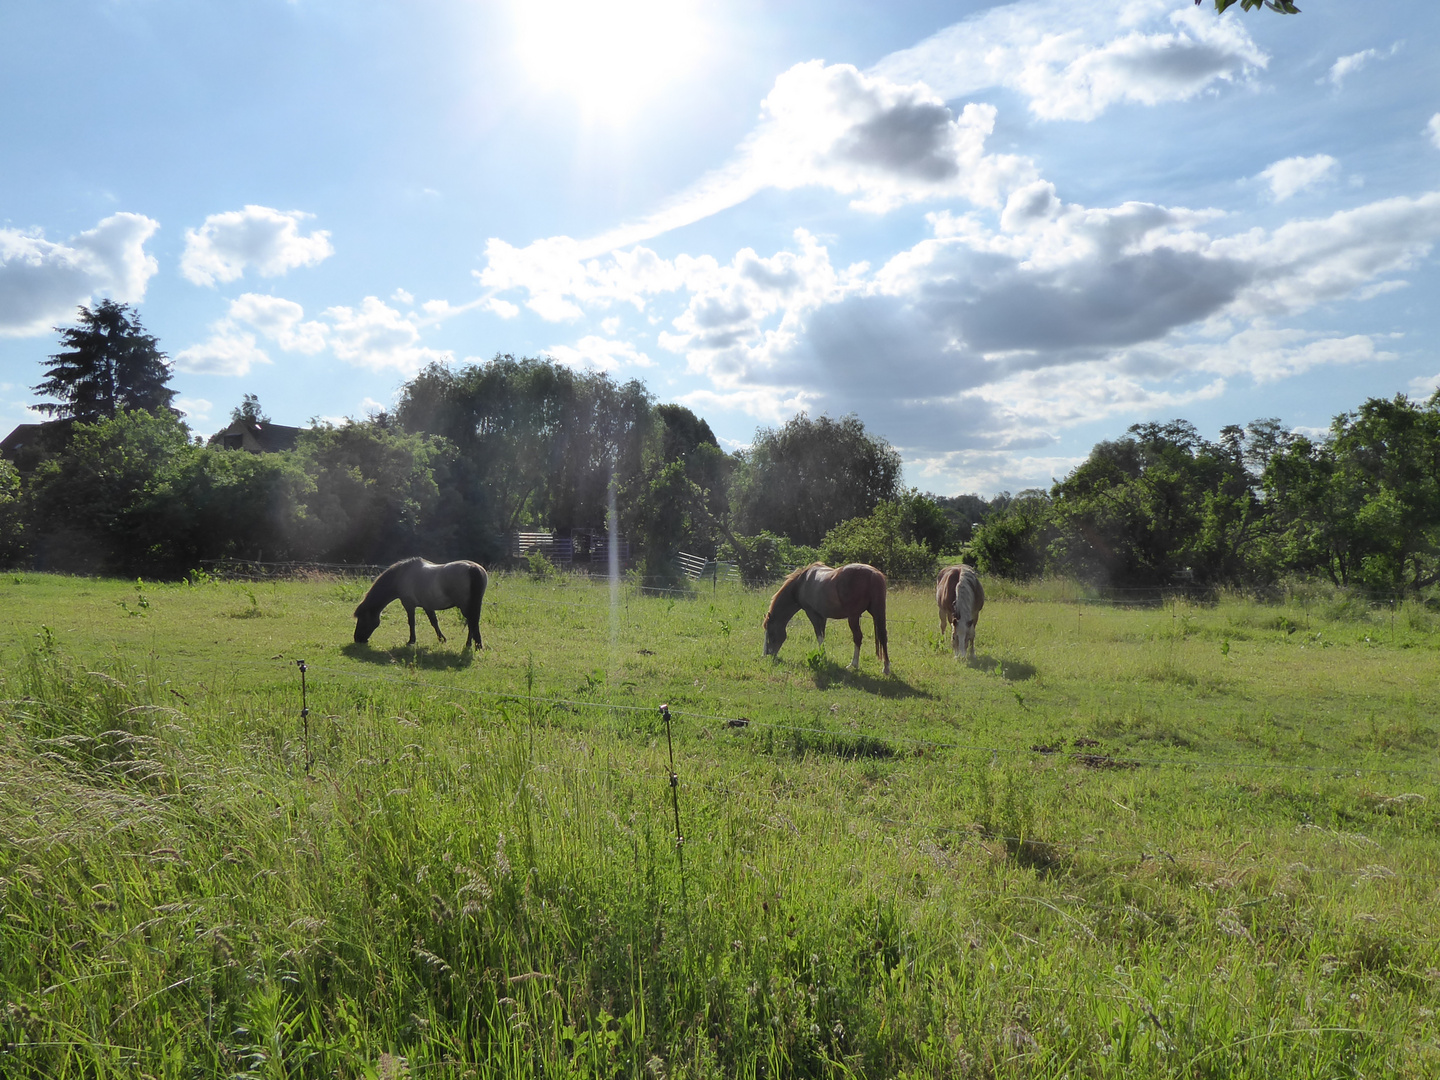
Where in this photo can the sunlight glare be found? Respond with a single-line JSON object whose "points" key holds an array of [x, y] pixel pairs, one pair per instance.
{"points": [[611, 54]]}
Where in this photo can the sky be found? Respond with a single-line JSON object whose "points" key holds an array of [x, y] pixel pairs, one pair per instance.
{"points": [[998, 233]]}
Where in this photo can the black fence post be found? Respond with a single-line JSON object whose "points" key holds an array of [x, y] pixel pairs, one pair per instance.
{"points": [[675, 802], [305, 715]]}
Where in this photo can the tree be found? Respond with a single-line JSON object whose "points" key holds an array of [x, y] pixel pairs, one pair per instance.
{"points": [[1284, 7], [885, 539], [807, 477], [543, 440], [1011, 542], [249, 411], [108, 364], [90, 502], [1363, 505]]}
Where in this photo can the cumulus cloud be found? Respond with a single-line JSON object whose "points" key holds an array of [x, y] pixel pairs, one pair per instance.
{"points": [[1294, 174], [1073, 61], [260, 238], [378, 337], [280, 320], [980, 339], [831, 126], [43, 281], [600, 354], [1432, 129], [228, 351], [195, 408]]}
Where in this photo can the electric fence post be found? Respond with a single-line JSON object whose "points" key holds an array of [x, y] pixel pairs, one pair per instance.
{"points": [[675, 802], [305, 715]]}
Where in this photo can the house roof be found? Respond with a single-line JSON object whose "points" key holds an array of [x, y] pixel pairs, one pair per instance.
{"points": [[266, 438]]}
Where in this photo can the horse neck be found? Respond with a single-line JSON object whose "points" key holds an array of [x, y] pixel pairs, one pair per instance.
{"points": [[785, 605], [385, 589], [964, 601]]}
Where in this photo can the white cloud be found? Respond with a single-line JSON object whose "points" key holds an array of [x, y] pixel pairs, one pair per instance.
{"points": [[1294, 174], [42, 282], [504, 308], [1075, 60], [401, 296], [197, 409], [1432, 129], [228, 351], [882, 143], [280, 320], [1348, 65], [982, 338], [258, 237], [601, 354], [376, 336], [1424, 386]]}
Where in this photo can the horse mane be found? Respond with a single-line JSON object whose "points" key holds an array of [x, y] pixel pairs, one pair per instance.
{"points": [[788, 586], [965, 596], [386, 577]]}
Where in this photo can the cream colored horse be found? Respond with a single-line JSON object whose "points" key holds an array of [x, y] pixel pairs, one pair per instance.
{"points": [[959, 597]]}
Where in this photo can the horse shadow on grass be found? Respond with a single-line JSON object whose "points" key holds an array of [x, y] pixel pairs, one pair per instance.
{"points": [[1009, 670], [427, 658], [828, 673]]}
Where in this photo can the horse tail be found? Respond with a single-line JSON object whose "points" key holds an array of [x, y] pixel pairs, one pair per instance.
{"points": [[877, 615], [479, 579]]}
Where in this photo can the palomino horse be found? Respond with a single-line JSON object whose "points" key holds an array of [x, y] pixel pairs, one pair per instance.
{"points": [[823, 593], [431, 586], [959, 597]]}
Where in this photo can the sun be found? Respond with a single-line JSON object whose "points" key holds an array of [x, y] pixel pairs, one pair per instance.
{"points": [[610, 54]]}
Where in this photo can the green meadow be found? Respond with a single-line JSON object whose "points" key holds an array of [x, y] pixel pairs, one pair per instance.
{"points": [[1173, 841]]}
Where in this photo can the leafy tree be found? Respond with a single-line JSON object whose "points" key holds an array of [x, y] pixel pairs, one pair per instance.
{"points": [[1363, 505], [1011, 542], [109, 363], [249, 411], [884, 539], [214, 504], [375, 496], [90, 502], [1161, 502], [12, 516], [765, 558], [542, 441], [803, 479], [1284, 7], [964, 511]]}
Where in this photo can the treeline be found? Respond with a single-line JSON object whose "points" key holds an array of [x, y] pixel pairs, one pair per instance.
{"points": [[118, 483], [1359, 506]]}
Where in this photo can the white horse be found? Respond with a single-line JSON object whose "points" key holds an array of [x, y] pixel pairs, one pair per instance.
{"points": [[959, 596]]}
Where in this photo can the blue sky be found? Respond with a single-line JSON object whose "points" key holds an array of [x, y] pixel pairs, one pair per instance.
{"points": [[997, 232]]}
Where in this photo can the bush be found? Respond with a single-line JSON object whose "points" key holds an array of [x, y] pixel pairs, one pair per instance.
{"points": [[881, 541], [766, 557]]}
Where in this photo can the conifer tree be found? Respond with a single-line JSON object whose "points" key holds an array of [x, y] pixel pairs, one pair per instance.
{"points": [[108, 363]]}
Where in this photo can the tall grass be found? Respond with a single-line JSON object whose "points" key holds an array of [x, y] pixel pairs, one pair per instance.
{"points": [[882, 877]]}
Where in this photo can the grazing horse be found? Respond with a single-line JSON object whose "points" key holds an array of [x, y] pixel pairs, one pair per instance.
{"points": [[823, 593], [959, 597], [431, 586]]}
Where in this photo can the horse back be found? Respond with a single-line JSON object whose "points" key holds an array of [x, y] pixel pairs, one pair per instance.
{"points": [[945, 587], [859, 587]]}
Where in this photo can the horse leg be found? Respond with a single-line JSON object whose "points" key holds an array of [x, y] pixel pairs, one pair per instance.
{"points": [[818, 622], [857, 637], [435, 623], [410, 614]]}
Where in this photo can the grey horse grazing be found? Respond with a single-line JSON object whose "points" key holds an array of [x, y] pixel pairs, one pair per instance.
{"points": [[823, 593], [959, 597], [430, 586]]}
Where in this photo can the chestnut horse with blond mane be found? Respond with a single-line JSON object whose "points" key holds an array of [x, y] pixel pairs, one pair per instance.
{"points": [[959, 597], [823, 593]]}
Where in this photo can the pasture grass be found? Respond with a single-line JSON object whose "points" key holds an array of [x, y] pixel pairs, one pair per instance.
{"points": [[1183, 840]]}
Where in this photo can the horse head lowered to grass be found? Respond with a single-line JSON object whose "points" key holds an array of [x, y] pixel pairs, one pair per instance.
{"points": [[823, 593], [959, 596], [429, 586]]}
